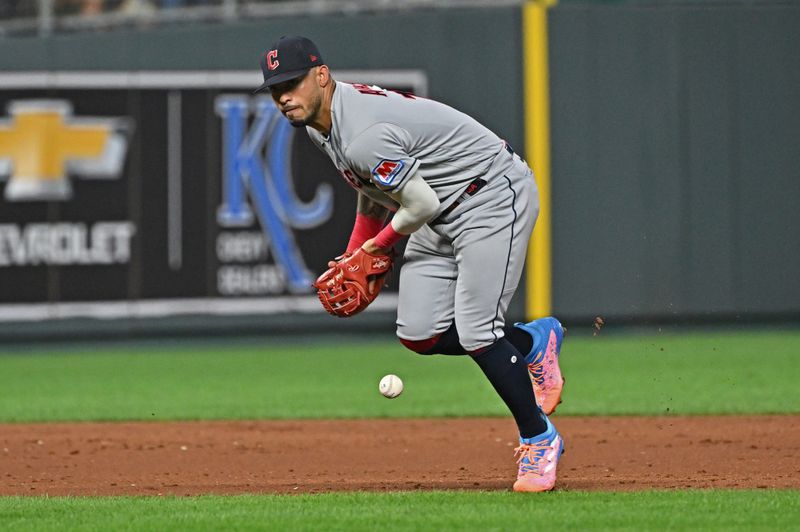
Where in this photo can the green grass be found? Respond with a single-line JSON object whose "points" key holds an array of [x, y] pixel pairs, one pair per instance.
{"points": [[700, 373], [647, 510]]}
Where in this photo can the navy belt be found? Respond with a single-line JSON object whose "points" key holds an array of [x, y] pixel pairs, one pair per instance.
{"points": [[471, 190]]}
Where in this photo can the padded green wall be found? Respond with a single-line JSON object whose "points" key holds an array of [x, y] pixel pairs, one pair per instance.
{"points": [[676, 160]]}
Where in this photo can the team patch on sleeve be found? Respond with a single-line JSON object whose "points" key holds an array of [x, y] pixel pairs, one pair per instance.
{"points": [[386, 170]]}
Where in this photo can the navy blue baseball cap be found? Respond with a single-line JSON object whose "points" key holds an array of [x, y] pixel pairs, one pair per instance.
{"points": [[288, 58]]}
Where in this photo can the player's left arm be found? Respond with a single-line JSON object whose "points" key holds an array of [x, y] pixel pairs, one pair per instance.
{"points": [[418, 203], [369, 207]]}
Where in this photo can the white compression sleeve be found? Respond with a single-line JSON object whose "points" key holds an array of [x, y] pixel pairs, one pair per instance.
{"points": [[418, 202]]}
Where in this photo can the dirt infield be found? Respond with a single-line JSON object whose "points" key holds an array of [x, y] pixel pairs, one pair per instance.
{"points": [[617, 453]]}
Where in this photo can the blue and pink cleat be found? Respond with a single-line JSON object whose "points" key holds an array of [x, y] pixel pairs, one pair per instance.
{"points": [[543, 368], [538, 460]]}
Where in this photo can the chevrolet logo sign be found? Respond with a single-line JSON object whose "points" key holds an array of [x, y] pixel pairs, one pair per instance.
{"points": [[42, 143]]}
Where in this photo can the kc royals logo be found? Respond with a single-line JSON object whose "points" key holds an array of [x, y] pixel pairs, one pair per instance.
{"points": [[258, 182], [42, 143]]}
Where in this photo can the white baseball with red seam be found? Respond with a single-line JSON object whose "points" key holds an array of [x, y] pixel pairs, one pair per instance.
{"points": [[391, 386]]}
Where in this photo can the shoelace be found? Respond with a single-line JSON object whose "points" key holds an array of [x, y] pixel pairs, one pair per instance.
{"points": [[535, 453], [537, 370]]}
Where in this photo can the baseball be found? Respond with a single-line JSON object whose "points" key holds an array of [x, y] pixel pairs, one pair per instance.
{"points": [[391, 386]]}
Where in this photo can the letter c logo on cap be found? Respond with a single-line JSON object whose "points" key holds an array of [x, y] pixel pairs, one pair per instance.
{"points": [[272, 59]]}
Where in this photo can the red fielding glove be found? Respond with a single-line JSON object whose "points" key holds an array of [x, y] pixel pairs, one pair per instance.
{"points": [[352, 283]]}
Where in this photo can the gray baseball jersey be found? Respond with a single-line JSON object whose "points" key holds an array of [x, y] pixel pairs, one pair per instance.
{"points": [[380, 138], [465, 265]]}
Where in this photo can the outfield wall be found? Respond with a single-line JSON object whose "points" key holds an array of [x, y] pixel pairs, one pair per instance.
{"points": [[676, 159], [674, 146]]}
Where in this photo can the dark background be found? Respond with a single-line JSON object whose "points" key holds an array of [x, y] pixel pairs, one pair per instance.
{"points": [[675, 127]]}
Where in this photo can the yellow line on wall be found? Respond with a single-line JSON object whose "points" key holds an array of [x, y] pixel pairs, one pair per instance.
{"points": [[538, 301]]}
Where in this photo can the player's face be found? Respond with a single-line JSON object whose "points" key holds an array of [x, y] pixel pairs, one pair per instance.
{"points": [[298, 99]]}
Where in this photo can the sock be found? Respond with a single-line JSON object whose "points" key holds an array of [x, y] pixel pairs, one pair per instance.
{"points": [[520, 339], [512, 384], [448, 343]]}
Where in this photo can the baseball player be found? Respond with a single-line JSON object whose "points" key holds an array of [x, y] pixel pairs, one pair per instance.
{"points": [[469, 205]]}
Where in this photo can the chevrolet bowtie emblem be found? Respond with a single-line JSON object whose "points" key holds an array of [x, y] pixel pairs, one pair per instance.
{"points": [[42, 143]]}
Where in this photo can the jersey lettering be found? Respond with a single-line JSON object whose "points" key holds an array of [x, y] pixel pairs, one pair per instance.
{"points": [[366, 89], [386, 170], [351, 179], [404, 94]]}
